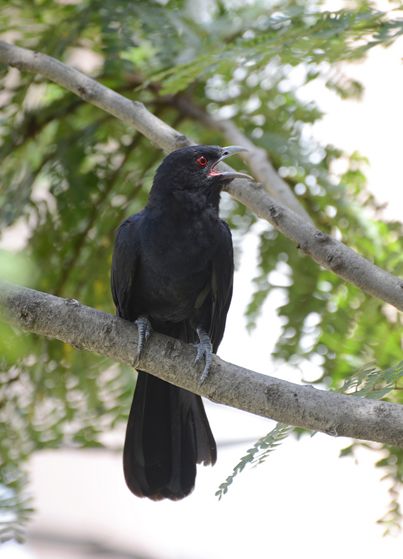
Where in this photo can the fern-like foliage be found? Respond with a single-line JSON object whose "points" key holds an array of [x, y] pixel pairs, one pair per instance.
{"points": [[257, 454], [392, 465], [372, 382], [368, 382], [15, 505]]}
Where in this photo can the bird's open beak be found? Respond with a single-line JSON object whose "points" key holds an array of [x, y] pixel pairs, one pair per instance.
{"points": [[229, 175]]}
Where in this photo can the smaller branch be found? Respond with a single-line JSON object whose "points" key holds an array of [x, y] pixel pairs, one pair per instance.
{"points": [[172, 361]]}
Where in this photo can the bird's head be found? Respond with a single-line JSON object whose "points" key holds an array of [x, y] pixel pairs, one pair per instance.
{"points": [[194, 169]]}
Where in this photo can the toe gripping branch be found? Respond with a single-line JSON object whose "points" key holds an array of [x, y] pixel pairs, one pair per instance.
{"points": [[204, 350], [144, 331], [204, 347]]}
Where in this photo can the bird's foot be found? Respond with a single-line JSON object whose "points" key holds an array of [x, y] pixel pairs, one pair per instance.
{"points": [[204, 350], [144, 330]]}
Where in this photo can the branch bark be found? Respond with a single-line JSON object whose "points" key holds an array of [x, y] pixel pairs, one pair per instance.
{"points": [[171, 360], [326, 251]]}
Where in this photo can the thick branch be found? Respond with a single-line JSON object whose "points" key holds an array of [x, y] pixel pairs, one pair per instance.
{"points": [[172, 360], [328, 252]]}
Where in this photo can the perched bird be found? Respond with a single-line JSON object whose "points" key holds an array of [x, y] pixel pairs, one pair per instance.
{"points": [[172, 271]]}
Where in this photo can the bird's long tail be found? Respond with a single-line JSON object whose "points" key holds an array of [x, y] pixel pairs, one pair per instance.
{"points": [[167, 435]]}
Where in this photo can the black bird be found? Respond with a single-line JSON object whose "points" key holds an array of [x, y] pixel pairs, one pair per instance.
{"points": [[172, 271]]}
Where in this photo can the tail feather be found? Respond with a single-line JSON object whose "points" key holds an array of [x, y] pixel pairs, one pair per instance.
{"points": [[167, 435]]}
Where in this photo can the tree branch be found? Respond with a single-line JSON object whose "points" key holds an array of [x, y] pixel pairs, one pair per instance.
{"points": [[322, 248], [326, 251], [133, 112], [172, 360]]}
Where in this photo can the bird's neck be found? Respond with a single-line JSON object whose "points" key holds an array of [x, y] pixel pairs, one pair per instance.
{"points": [[185, 202]]}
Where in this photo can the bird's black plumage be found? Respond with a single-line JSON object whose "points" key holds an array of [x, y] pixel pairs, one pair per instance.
{"points": [[173, 265]]}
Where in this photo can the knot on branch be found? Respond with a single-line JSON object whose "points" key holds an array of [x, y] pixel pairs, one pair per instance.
{"points": [[138, 105], [335, 261], [304, 246], [107, 328], [181, 141], [332, 430], [72, 302], [85, 93], [27, 314], [275, 212], [321, 237]]}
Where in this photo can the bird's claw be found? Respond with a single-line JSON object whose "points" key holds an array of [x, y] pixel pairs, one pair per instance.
{"points": [[204, 350], [144, 331]]}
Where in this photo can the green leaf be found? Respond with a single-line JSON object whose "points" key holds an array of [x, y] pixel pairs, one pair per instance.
{"points": [[257, 454]]}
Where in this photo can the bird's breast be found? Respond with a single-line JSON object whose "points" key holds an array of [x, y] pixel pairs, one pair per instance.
{"points": [[179, 245], [175, 265]]}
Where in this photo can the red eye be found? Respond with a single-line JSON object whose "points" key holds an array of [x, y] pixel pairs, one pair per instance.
{"points": [[201, 161]]}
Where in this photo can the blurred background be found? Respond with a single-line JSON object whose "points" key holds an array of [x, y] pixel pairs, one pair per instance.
{"points": [[318, 85]]}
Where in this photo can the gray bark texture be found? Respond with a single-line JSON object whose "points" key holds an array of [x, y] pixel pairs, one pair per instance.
{"points": [[171, 360]]}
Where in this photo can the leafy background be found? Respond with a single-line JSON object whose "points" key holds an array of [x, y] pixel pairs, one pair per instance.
{"points": [[71, 173]]}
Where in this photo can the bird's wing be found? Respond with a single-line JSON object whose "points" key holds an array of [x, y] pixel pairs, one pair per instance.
{"points": [[125, 261], [221, 283]]}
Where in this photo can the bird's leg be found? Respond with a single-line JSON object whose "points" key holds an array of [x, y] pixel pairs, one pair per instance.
{"points": [[204, 349], [144, 330]]}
